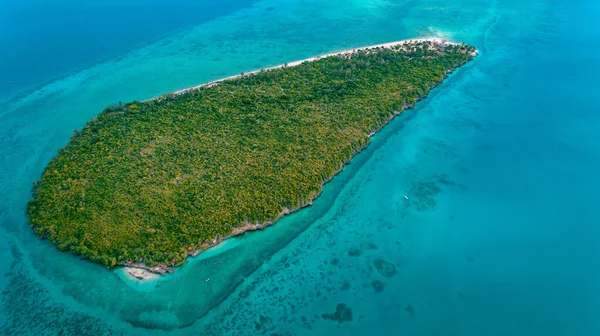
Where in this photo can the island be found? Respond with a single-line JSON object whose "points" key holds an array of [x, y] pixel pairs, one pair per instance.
{"points": [[147, 184]]}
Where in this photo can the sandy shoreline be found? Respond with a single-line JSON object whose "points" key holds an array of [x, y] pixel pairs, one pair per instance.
{"points": [[295, 63]]}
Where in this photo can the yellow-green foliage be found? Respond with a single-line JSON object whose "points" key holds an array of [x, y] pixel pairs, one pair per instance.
{"points": [[146, 181]]}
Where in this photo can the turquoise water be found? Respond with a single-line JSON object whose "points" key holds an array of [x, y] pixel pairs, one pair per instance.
{"points": [[500, 164]]}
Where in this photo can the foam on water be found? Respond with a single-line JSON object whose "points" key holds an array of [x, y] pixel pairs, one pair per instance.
{"points": [[498, 236]]}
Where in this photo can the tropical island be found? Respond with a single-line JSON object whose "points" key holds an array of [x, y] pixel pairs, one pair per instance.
{"points": [[147, 184]]}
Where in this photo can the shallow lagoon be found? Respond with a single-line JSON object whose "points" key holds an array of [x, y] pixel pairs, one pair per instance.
{"points": [[499, 162]]}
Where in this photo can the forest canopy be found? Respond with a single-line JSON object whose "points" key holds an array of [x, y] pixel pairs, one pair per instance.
{"points": [[148, 182]]}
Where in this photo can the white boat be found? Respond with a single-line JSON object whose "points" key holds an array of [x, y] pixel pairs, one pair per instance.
{"points": [[207, 280]]}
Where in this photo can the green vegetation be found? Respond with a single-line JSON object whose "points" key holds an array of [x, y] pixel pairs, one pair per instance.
{"points": [[148, 182]]}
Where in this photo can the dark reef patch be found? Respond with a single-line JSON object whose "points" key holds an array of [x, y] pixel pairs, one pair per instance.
{"points": [[385, 268], [378, 286], [30, 309], [345, 286], [443, 179], [354, 252], [262, 323], [342, 314], [423, 195]]}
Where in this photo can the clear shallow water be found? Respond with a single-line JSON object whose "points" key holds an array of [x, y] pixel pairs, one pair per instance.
{"points": [[46, 39], [499, 163]]}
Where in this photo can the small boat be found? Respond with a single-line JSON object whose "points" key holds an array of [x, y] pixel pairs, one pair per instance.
{"points": [[207, 280], [406, 197]]}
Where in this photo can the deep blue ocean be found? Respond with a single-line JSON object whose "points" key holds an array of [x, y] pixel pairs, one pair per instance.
{"points": [[500, 235]]}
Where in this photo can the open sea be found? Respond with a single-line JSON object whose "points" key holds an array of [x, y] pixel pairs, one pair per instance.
{"points": [[501, 232]]}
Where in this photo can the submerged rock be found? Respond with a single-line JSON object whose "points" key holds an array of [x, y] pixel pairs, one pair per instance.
{"points": [[342, 313], [378, 286], [354, 252], [385, 268], [423, 195]]}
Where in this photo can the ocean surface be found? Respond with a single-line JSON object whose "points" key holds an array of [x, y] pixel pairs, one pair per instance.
{"points": [[500, 163]]}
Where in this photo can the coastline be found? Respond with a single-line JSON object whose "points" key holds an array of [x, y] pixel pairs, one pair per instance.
{"points": [[436, 40]]}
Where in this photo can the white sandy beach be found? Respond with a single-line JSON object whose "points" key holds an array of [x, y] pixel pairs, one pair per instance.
{"points": [[294, 63], [138, 274]]}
